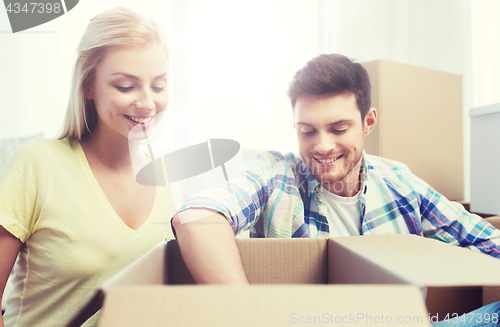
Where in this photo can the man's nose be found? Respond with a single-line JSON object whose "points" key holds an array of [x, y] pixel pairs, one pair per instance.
{"points": [[324, 144]]}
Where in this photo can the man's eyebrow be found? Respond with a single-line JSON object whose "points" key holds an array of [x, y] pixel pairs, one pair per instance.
{"points": [[302, 123], [342, 121], [135, 77]]}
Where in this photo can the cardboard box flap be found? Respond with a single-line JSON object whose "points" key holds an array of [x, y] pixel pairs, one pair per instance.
{"points": [[149, 269], [346, 266], [263, 305], [422, 261], [284, 261], [266, 261]]}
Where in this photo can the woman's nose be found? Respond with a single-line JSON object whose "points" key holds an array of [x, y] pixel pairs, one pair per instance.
{"points": [[146, 101]]}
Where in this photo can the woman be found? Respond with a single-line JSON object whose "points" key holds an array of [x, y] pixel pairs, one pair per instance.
{"points": [[71, 208]]}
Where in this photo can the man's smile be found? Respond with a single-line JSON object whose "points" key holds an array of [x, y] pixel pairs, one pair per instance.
{"points": [[328, 161]]}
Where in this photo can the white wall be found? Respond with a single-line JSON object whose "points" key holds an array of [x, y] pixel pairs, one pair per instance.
{"points": [[232, 60], [36, 65], [241, 58], [485, 45]]}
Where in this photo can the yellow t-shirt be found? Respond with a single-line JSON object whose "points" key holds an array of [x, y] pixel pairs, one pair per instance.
{"points": [[73, 239]]}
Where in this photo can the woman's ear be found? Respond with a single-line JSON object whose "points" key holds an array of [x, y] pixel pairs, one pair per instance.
{"points": [[370, 120], [88, 92]]}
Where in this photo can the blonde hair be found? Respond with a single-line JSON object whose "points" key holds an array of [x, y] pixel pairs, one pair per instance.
{"points": [[116, 27]]}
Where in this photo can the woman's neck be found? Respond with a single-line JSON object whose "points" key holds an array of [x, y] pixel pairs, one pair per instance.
{"points": [[110, 149]]}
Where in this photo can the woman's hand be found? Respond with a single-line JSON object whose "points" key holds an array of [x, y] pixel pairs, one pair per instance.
{"points": [[9, 248]]}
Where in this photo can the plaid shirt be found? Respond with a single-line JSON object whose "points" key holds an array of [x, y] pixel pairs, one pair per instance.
{"points": [[277, 196]]}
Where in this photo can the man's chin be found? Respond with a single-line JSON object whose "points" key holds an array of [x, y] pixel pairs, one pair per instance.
{"points": [[331, 175], [327, 178]]}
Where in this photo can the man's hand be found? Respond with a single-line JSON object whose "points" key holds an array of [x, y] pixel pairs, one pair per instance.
{"points": [[208, 247]]}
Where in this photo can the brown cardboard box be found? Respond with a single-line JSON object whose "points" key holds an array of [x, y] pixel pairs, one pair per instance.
{"points": [[402, 263], [419, 122], [272, 305]]}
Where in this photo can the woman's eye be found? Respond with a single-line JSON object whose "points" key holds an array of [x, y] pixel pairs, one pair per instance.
{"points": [[158, 88], [124, 89]]}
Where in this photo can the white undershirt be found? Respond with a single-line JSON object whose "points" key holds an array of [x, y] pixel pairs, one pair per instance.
{"points": [[342, 214]]}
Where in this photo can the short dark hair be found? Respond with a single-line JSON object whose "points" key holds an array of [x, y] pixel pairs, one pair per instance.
{"points": [[332, 73]]}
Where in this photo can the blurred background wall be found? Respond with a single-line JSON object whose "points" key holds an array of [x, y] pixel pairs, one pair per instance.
{"points": [[232, 60]]}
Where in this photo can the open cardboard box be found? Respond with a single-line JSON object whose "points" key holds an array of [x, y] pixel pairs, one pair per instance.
{"points": [[148, 292]]}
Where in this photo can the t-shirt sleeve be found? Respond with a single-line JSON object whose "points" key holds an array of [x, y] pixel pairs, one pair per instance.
{"points": [[23, 189]]}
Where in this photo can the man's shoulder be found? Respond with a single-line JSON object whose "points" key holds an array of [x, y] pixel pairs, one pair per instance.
{"points": [[386, 170], [385, 165], [390, 177], [276, 157]]}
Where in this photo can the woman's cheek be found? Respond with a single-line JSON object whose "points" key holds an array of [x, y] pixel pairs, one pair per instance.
{"points": [[162, 103]]}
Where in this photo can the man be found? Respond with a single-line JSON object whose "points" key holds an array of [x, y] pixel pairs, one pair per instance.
{"points": [[332, 189]]}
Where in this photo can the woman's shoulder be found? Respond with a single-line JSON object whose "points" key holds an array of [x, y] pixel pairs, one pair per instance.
{"points": [[31, 149], [45, 149], [41, 144], [61, 145]]}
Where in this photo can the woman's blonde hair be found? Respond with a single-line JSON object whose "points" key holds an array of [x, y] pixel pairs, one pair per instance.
{"points": [[116, 27]]}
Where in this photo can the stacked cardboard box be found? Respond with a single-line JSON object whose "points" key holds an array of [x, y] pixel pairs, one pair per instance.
{"points": [[365, 280], [419, 122]]}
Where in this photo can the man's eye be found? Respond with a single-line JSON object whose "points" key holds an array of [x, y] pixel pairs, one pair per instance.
{"points": [[305, 130], [124, 89], [336, 131]]}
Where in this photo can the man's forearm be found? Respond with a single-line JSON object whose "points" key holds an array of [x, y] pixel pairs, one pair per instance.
{"points": [[208, 247]]}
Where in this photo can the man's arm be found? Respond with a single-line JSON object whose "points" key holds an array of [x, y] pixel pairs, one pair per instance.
{"points": [[208, 247], [449, 222], [206, 236]]}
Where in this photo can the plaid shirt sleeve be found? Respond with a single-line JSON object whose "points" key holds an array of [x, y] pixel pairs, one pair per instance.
{"points": [[448, 221], [244, 198], [398, 202]]}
